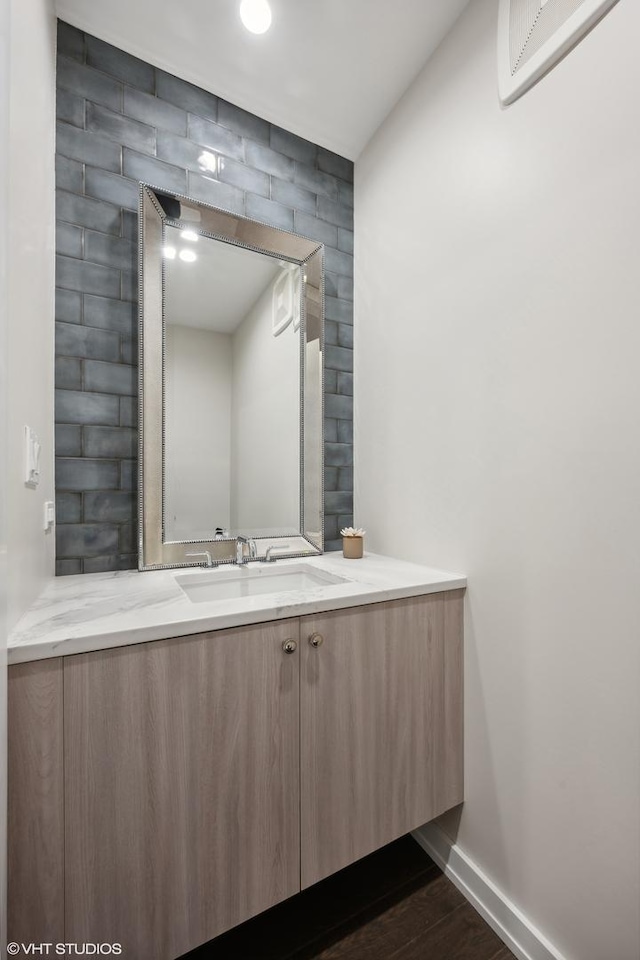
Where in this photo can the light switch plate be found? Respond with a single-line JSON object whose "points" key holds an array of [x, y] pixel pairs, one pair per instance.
{"points": [[32, 450], [49, 514]]}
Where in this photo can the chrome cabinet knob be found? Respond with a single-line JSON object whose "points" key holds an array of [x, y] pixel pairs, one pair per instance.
{"points": [[289, 646], [316, 639]]}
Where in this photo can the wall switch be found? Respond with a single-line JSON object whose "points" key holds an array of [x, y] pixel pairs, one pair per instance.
{"points": [[31, 457], [49, 514]]}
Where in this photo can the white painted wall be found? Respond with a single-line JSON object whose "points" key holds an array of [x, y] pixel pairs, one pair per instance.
{"points": [[265, 464], [30, 327], [497, 416], [4, 246], [198, 432]]}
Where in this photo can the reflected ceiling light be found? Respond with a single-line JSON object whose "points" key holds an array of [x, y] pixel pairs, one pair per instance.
{"points": [[189, 235], [209, 161], [170, 253], [256, 15], [188, 256]]}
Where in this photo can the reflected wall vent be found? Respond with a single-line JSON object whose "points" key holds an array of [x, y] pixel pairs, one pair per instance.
{"points": [[534, 34]]}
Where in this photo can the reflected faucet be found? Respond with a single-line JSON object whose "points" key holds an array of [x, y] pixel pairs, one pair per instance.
{"points": [[204, 553], [253, 550], [275, 546]]}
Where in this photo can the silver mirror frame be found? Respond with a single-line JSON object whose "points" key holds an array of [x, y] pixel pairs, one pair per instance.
{"points": [[153, 552]]}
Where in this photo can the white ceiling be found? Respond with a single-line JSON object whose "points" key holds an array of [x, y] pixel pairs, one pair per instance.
{"points": [[328, 70]]}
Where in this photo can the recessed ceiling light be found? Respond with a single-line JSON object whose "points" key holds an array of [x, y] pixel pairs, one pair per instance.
{"points": [[256, 15], [170, 253], [188, 256], [189, 235]]}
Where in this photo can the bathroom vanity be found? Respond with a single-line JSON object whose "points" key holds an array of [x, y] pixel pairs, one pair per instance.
{"points": [[189, 747], [178, 765]]}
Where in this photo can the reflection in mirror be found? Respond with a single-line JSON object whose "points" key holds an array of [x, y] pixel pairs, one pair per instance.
{"points": [[232, 390], [231, 409]]}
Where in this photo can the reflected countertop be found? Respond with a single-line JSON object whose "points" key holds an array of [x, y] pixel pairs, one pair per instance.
{"points": [[98, 611]]}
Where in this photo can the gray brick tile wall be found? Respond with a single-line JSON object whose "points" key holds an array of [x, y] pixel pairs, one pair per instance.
{"points": [[338, 358], [72, 274], [331, 381], [69, 508], [70, 108], [111, 187], [211, 135], [345, 384], [120, 121], [148, 108], [264, 158], [88, 147], [95, 87], [69, 239], [77, 406], [68, 442], [119, 64], [68, 305], [303, 201], [84, 474], [69, 174], [330, 333], [293, 146], [216, 193], [345, 431], [338, 406], [337, 166], [339, 310], [330, 434], [259, 208], [158, 172], [129, 133], [183, 94], [345, 288], [306, 224], [68, 373], [246, 124], [345, 335], [345, 240]]}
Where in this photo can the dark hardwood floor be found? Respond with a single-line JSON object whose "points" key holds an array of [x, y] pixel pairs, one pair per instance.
{"points": [[393, 905]]}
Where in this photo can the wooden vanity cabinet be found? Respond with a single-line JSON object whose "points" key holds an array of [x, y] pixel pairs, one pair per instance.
{"points": [[380, 726], [189, 784], [35, 823], [181, 788]]}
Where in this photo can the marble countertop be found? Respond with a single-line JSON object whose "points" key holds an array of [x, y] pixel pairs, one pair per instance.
{"points": [[103, 610]]}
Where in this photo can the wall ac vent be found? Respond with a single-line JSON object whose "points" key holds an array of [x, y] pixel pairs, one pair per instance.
{"points": [[534, 34]]}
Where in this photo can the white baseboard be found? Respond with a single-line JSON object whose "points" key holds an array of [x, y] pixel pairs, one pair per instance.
{"points": [[518, 933]]}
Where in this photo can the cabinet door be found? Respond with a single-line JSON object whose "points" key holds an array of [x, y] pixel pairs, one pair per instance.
{"points": [[381, 733], [181, 788], [35, 795]]}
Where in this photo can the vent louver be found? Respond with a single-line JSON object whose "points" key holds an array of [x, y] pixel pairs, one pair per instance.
{"points": [[534, 34]]}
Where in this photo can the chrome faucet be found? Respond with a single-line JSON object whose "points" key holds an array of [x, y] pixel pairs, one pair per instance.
{"points": [[275, 546], [207, 555], [253, 550]]}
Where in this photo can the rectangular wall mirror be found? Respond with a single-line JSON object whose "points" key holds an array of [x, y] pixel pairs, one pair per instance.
{"points": [[231, 390]]}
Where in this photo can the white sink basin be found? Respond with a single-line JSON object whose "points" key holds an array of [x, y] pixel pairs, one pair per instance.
{"points": [[253, 581]]}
